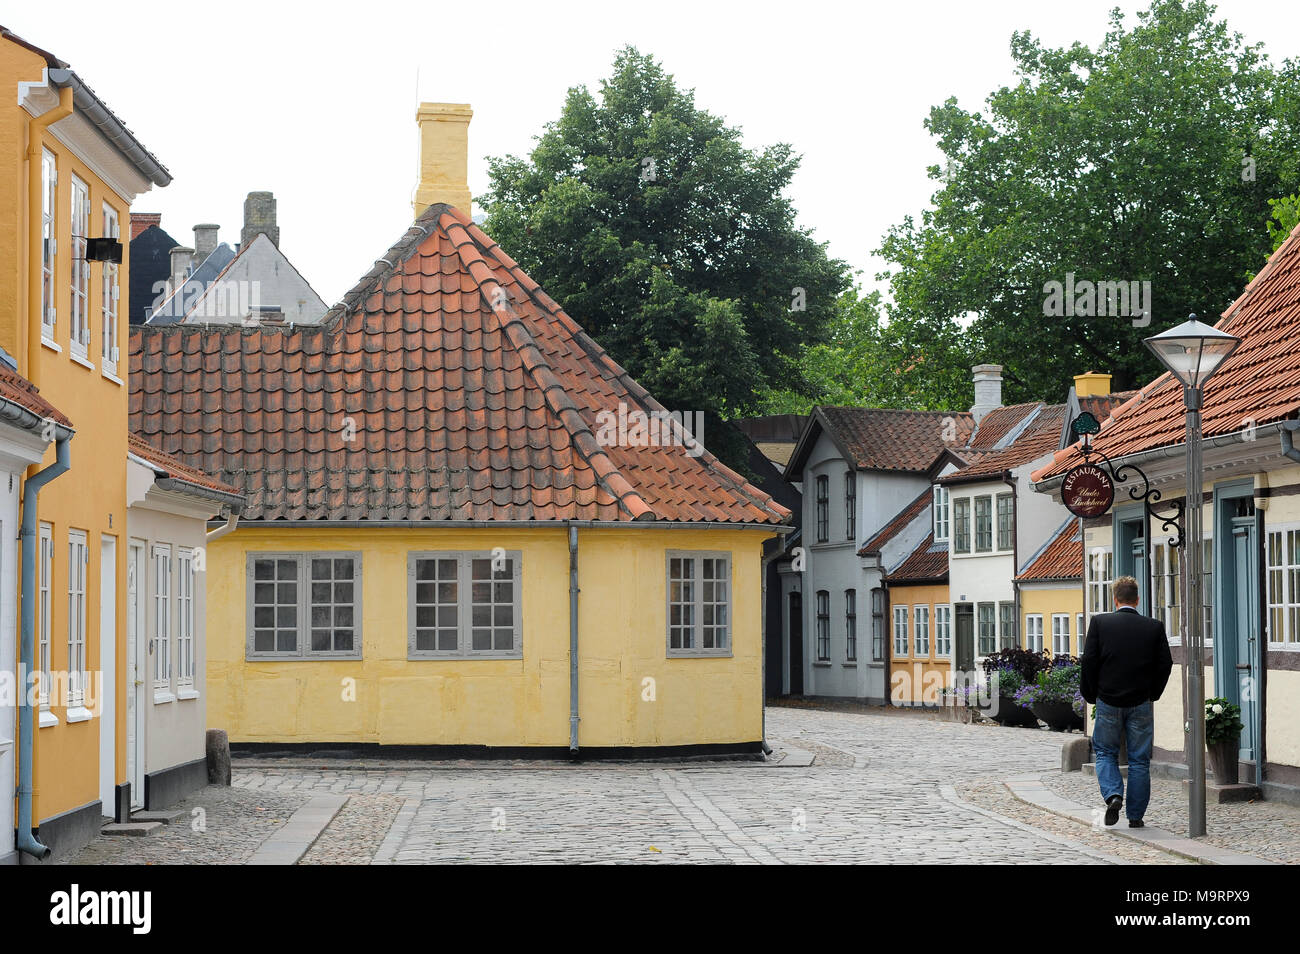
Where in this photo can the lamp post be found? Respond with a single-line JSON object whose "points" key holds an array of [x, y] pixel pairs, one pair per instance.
{"points": [[1192, 352]]}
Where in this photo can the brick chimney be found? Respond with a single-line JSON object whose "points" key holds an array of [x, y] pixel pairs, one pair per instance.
{"points": [[444, 156], [205, 241], [143, 220], [259, 217], [1092, 384], [988, 389]]}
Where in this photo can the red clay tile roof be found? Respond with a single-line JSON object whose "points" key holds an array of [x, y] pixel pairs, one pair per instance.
{"points": [[17, 389], [1102, 407], [1061, 559], [174, 468], [886, 439], [999, 422], [1042, 436], [1258, 384], [895, 526], [928, 563], [472, 394]]}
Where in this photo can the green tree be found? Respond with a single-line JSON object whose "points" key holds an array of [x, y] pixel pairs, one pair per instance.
{"points": [[1150, 158], [668, 240]]}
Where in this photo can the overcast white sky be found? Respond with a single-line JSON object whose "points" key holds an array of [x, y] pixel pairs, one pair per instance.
{"points": [[316, 102]]}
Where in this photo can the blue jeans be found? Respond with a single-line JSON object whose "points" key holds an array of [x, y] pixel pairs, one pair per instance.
{"points": [[1138, 727]]}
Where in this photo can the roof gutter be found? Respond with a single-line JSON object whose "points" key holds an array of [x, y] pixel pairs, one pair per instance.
{"points": [[93, 108], [1287, 429], [180, 485], [782, 528], [18, 416], [1051, 484]]}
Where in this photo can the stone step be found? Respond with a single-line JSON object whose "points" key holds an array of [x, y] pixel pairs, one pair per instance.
{"points": [[131, 829], [1224, 794], [164, 816]]}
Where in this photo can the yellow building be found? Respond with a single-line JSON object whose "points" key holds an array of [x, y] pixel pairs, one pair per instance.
{"points": [[467, 528], [73, 170], [1051, 594]]}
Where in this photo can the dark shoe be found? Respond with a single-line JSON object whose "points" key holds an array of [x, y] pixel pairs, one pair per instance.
{"points": [[1136, 823], [1113, 805]]}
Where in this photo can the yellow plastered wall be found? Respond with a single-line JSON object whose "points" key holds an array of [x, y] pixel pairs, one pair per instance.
{"points": [[91, 497], [1047, 603], [497, 702], [916, 678]]}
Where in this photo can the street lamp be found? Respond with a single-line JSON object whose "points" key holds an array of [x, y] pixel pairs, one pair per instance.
{"points": [[1192, 352]]}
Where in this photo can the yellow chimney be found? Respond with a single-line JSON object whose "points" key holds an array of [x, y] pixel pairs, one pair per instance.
{"points": [[444, 156], [1092, 384]]}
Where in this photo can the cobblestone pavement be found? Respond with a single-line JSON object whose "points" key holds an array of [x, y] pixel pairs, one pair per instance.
{"points": [[1268, 829], [217, 825], [882, 788]]}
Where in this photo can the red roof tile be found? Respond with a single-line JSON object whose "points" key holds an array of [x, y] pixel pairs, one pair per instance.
{"points": [[174, 468], [886, 439], [446, 386], [896, 525], [999, 422], [1258, 384], [18, 390], [1040, 437], [928, 563], [1061, 559]]}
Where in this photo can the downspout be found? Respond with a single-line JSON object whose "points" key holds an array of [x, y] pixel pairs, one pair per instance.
{"points": [[232, 521], [573, 641], [35, 145], [27, 648]]}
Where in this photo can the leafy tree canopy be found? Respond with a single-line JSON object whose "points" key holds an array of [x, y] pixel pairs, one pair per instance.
{"points": [[1151, 158], [669, 240]]}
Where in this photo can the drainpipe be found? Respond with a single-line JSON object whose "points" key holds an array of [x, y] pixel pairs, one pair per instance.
{"points": [[573, 641], [232, 521], [34, 205], [27, 842]]}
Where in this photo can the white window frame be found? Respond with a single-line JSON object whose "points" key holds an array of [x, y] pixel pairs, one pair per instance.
{"points": [[303, 604], [943, 631], [1034, 632], [940, 507], [49, 242], [960, 527], [1060, 634], [700, 604], [1287, 604], [464, 625], [185, 662], [78, 571], [987, 501], [45, 608], [1099, 583], [109, 295], [822, 485], [901, 635], [160, 646], [79, 325], [850, 504], [992, 622], [921, 631], [1010, 500]]}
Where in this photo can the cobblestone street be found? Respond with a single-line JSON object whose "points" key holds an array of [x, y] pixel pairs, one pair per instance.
{"points": [[896, 788]]}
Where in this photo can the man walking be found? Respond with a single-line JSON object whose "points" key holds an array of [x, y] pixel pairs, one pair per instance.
{"points": [[1125, 667]]}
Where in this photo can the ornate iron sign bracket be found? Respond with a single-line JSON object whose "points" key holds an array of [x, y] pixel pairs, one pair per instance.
{"points": [[1170, 513]]}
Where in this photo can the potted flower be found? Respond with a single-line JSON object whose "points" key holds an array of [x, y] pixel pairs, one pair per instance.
{"points": [[1007, 710], [1223, 738], [1054, 697]]}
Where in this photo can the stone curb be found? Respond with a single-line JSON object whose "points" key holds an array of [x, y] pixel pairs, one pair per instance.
{"points": [[290, 843], [396, 833], [949, 794], [1031, 790]]}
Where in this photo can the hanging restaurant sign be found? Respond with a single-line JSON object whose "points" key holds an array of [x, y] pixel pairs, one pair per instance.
{"points": [[1087, 491]]}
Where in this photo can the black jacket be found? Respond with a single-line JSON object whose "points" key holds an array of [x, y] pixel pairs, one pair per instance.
{"points": [[1126, 659]]}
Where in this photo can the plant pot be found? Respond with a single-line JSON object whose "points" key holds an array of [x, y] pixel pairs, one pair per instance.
{"points": [[1011, 713], [1223, 760], [1059, 716]]}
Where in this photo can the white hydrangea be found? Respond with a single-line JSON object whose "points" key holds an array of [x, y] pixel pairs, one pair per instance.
{"points": [[1217, 709]]}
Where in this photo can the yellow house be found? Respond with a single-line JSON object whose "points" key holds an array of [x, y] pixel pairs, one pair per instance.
{"points": [[467, 528], [1051, 594], [73, 170], [920, 619]]}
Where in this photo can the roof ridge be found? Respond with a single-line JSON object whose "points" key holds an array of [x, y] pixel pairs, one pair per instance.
{"points": [[584, 441], [597, 353]]}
